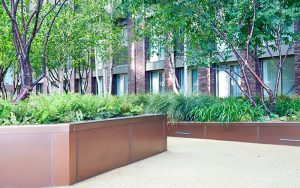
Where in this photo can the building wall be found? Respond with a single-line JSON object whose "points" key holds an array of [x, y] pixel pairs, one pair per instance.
{"points": [[205, 83], [139, 68], [253, 83]]}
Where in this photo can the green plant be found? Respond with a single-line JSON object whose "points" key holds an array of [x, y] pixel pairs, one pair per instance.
{"points": [[5, 109], [228, 110], [287, 106], [61, 108]]}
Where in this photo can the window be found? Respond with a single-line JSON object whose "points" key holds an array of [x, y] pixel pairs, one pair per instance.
{"points": [[156, 51], [235, 81], [81, 85], [8, 79], [67, 85], [179, 46], [157, 82], [98, 86], [227, 85], [287, 82], [194, 80], [39, 88], [181, 79], [221, 46], [53, 86], [122, 84], [98, 59]]}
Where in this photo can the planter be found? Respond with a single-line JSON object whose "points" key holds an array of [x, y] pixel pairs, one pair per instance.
{"points": [[287, 133], [55, 155]]}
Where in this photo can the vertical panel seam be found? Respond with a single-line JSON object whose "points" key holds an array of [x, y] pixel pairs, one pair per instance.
{"points": [[129, 143], [165, 124], [258, 134], [51, 161], [76, 146]]}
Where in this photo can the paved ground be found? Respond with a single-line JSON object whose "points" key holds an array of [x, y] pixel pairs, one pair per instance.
{"points": [[208, 163]]}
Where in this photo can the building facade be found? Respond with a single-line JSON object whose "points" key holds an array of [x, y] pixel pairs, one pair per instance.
{"points": [[141, 72]]}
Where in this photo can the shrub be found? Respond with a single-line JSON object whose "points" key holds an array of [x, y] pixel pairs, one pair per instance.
{"points": [[6, 109], [286, 106], [61, 108], [158, 104], [181, 107], [228, 110]]}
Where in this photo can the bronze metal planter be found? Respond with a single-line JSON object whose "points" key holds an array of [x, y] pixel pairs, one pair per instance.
{"points": [[56, 155], [287, 133]]}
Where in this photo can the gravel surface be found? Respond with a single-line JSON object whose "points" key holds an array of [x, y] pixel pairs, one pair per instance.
{"points": [[208, 163]]}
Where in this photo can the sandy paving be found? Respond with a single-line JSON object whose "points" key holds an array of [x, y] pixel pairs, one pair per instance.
{"points": [[198, 163]]}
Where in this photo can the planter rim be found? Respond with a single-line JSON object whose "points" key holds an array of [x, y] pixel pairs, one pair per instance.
{"points": [[34, 125], [292, 123], [116, 118], [55, 125]]}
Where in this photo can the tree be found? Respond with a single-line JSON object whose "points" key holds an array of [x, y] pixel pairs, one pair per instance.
{"points": [[7, 57], [111, 41], [82, 28], [27, 19], [246, 27]]}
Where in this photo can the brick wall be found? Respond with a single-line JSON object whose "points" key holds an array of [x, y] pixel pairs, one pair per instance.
{"points": [[140, 66], [131, 55], [254, 85], [207, 80], [204, 80], [137, 63]]}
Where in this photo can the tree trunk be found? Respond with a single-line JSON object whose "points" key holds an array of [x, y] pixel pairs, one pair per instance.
{"points": [[61, 81], [109, 75], [175, 84], [186, 85], [26, 76], [3, 90]]}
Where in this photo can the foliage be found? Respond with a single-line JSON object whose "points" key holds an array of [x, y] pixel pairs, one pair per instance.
{"points": [[177, 107], [287, 106], [203, 108], [213, 31], [64, 33], [59, 108], [63, 108], [228, 110], [7, 51], [208, 108], [5, 109], [81, 27]]}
